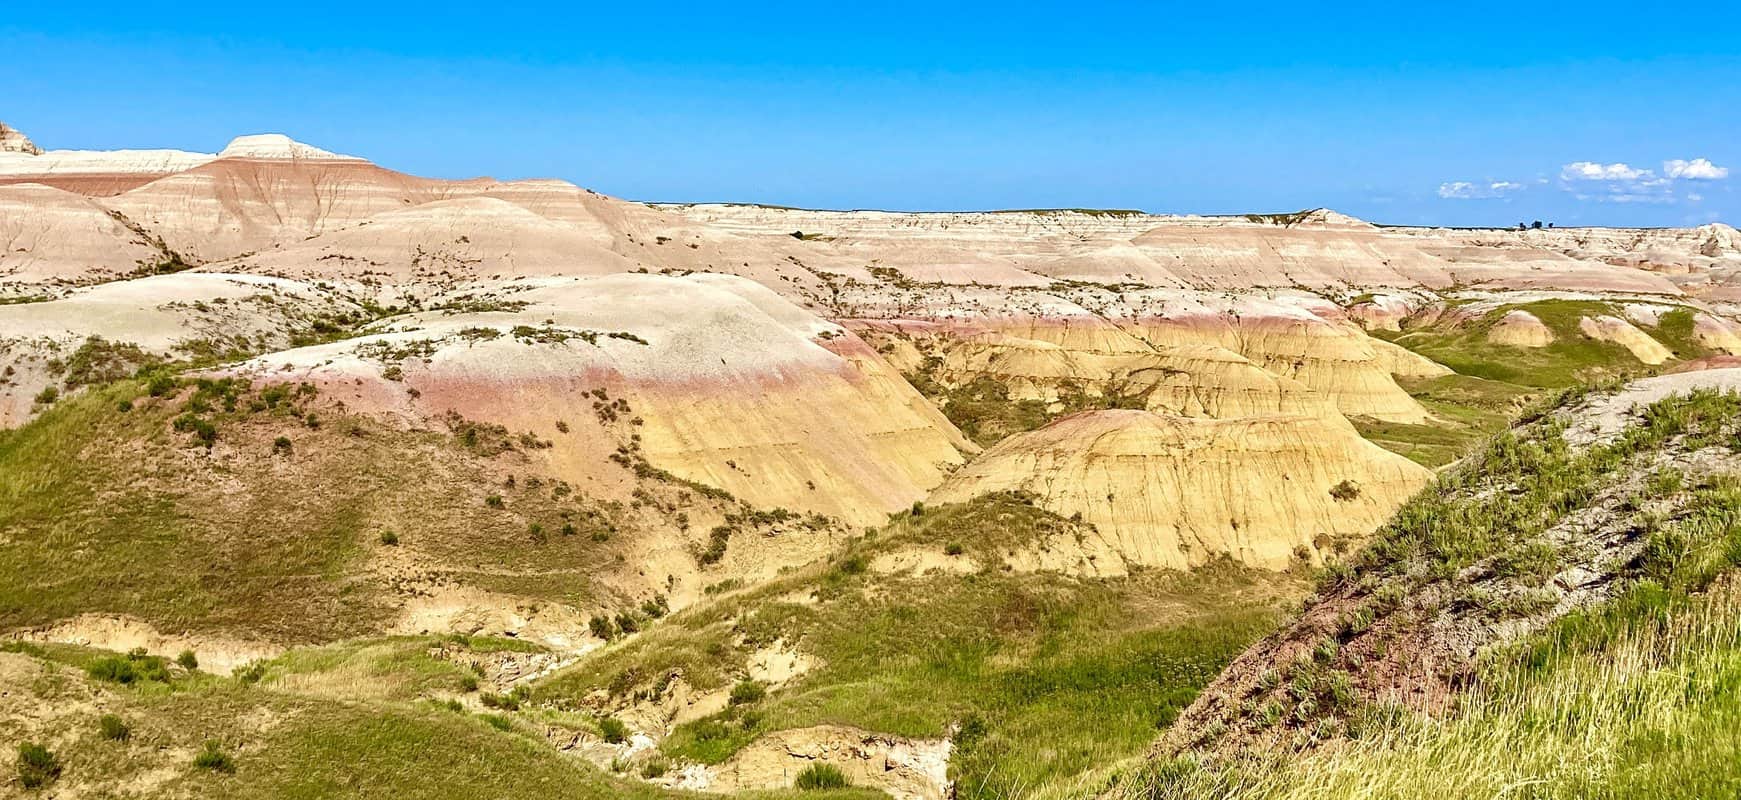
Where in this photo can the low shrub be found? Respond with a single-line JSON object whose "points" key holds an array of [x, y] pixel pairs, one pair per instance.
{"points": [[746, 692], [37, 767], [821, 776], [613, 730], [113, 729], [250, 673], [212, 757], [128, 669]]}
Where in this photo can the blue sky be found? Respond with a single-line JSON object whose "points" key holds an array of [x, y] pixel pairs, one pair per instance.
{"points": [[1473, 114]]}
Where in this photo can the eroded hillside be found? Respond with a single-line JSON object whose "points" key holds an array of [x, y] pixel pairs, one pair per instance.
{"points": [[642, 498], [1571, 588]]}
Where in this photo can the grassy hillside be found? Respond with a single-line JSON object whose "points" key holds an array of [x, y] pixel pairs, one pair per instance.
{"points": [[1040, 677], [215, 507], [1495, 382], [1554, 618], [190, 734], [1571, 359]]}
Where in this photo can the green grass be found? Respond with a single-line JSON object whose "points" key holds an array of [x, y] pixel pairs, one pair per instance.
{"points": [[99, 518], [212, 736], [1675, 330], [393, 668], [1048, 676], [821, 776], [1570, 360], [1636, 697], [1470, 409], [983, 410], [121, 513]]}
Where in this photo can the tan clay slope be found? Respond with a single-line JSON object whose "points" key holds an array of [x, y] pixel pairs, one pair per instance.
{"points": [[1519, 328], [258, 197], [166, 316], [1175, 492], [1319, 250], [724, 382], [1702, 261], [1614, 329], [51, 238], [1212, 354], [425, 249]]}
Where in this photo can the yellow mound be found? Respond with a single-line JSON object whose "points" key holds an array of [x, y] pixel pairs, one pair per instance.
{"points": [[1614, 329], [1179, 492], [1520, 328]]}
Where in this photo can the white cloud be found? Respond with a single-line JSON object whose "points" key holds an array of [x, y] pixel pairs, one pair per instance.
{"points": [[1486, 190], [1698, 169], [1592, 171]]}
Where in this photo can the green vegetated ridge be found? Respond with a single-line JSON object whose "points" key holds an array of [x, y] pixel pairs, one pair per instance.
{"points": [[1038, 678], [1495, 382], [1570, 360], [189, 733], [123, 500], [1634, 691]]}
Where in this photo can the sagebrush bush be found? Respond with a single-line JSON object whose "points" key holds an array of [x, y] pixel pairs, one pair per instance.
{"points": [[746, 692], [128, 669], [113, 728], [37, 767], [212, 757]]}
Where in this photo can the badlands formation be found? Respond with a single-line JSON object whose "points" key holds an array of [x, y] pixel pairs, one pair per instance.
{"points": [[618, 410], [1288, 324]]}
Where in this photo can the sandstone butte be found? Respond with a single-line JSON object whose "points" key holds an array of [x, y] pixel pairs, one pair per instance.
{"points": [[765, 349]]}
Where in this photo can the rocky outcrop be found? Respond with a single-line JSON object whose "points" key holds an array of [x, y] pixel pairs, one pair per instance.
{"points": [[901, 768], [13, 140]]}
